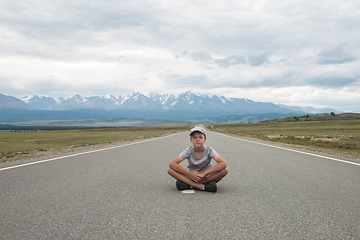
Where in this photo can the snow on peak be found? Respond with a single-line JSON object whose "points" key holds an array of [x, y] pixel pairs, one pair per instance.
{"points": [[165, 99], [124, 99], [80, 98], [188, 99], [42, 96], [59, 100], [26, 99]]}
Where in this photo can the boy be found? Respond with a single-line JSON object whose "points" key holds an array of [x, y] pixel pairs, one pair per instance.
{"points": [[200, 174]]}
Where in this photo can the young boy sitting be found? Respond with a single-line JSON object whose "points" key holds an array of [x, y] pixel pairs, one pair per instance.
{"points": [[200, 174]]}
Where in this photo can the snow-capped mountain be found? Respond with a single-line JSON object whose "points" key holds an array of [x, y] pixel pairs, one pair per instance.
{"points": [[308, 109], [195, 105], [10, 102], [41, 103]]}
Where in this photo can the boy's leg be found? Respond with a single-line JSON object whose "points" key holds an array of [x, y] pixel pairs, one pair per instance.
{"points": [[179, 176], [216, 176]]}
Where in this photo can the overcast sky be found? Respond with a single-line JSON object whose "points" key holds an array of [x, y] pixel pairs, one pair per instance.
{"points": [[298, 52]]}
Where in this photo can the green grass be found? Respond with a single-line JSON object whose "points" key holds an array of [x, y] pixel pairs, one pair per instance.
{"points": [[340, 137], [23, 144], [338, 134]]}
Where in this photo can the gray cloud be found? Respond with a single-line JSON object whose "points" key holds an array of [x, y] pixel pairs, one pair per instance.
{"points": [[336, 55], [175, 80], [232, 60], [198, 56], [258, 60], [205, 57], [327, 81], [231, 44]]}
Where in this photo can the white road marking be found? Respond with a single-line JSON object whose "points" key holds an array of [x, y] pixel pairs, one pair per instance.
{"points": [[82, 153], [188, 191], [292, 150]]}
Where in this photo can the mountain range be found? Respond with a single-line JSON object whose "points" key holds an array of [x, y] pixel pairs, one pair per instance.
{"points": [[184, 107]]}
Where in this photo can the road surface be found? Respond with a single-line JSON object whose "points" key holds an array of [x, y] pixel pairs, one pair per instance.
{"points": [[125, 193]]}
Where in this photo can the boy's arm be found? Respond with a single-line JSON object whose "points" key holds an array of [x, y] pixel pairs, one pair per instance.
{"points": [[175, 165], [221, 165]]}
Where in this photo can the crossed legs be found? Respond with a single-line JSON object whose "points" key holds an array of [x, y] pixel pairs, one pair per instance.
{"points": [[216, 176]]}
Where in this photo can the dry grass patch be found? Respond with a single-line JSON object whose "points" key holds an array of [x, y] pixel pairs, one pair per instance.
{"points": [[340, 137], [19, 145]]}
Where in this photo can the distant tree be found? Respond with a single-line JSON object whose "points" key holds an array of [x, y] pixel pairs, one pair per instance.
{"points": [[333, 114]]}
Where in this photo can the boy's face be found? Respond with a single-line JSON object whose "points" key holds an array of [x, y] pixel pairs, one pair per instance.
{"points": [[198, 139]]}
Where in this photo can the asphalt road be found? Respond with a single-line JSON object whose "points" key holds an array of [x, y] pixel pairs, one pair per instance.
{"points": [[125, 193]]}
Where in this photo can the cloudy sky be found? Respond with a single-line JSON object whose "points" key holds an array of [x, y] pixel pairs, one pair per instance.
{"points": [[298, 52]]}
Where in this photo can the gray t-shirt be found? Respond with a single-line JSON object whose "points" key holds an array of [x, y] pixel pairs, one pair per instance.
{"points": [[199, 164]]}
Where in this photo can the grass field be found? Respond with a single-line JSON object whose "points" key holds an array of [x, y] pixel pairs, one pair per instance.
{"points": [[16, 145], [340, 137]]}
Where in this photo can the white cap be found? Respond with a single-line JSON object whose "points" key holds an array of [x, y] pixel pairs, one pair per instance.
{"points": [[198, 129]]}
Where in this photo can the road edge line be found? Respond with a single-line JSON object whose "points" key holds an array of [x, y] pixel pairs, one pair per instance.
{"points": [[83, 153], [292, 150]]}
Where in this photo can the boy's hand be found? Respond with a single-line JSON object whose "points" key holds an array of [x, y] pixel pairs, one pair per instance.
{"points": [[202, 175], [195, 176]]}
